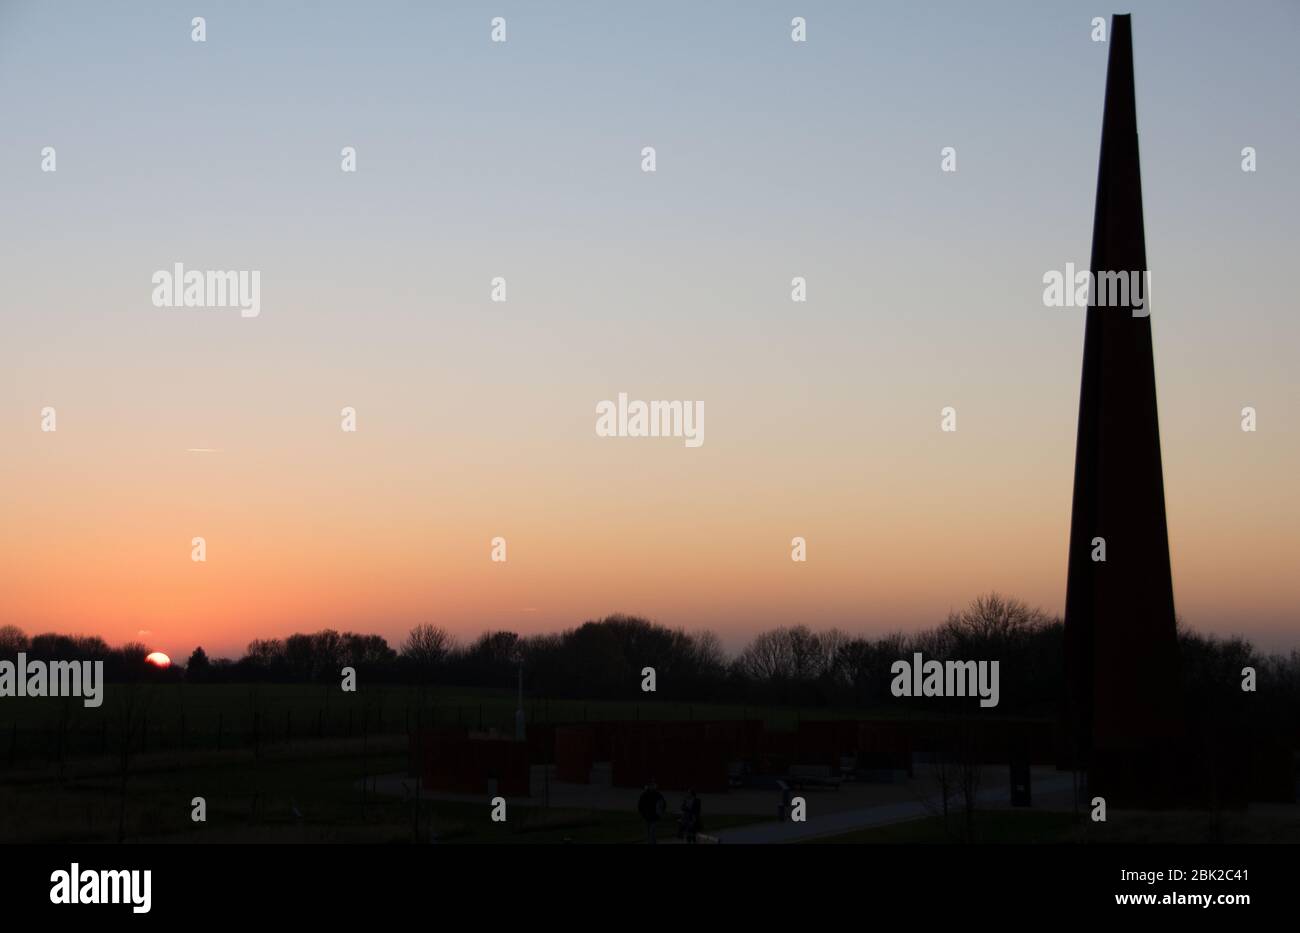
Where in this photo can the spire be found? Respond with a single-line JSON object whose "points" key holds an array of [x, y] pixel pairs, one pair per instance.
{"points": [[1121, 642]]}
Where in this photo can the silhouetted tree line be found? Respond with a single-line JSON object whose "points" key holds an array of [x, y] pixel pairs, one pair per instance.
{"points": [[124, 663], [791, 665]]}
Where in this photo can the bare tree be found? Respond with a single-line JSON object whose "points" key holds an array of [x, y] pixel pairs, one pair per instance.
{"points": [[793, 653], [832, 645], [706, 652], [993, 621], [12, 640], [943, 776], [970, 768], [955, 774], [427, 645]]}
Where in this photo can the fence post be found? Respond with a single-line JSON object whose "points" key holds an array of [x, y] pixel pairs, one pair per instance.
{"points": [[365, 758], [419, 776]]}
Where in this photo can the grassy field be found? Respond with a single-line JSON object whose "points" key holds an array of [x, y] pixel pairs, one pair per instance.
{"points": [[290, 764], [218, 717], [496, 707], [309, 791], [282, 763]]}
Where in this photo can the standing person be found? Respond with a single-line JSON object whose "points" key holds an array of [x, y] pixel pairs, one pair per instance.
{"points": [[690, 822], [651, 806]]}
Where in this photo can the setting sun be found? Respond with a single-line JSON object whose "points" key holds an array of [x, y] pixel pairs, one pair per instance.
{"points": [[158, 659]]}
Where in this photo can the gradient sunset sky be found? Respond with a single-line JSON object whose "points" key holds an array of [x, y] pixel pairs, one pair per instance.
{"points": [[476, 419]]}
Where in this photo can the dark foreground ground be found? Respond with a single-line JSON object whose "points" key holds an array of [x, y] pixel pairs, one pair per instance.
{"points": [[293, 764]]}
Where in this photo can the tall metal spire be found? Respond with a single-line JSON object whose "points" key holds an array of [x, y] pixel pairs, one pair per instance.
{"points": [[1121, 644]]}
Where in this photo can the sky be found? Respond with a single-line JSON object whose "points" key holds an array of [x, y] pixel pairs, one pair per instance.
{"points": [[476, 419]]}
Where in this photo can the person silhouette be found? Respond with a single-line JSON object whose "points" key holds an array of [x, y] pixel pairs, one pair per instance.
{"points": [[690, 822], [651, 806]]}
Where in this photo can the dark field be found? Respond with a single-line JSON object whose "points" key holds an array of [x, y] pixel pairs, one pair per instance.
{"points": [[221, 717], [310, 791], [297, 763], [282, 763]]}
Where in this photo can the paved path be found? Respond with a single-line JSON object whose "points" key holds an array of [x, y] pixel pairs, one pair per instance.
{"points": [[847, 821]]}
